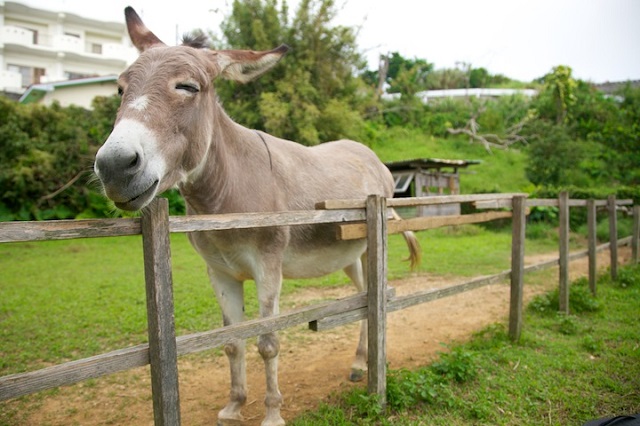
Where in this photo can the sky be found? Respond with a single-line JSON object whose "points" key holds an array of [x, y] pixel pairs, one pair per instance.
{"points": [[522, 39]]}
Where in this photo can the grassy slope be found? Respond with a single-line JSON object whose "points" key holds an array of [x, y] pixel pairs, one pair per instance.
{"points": [[500, 171]]}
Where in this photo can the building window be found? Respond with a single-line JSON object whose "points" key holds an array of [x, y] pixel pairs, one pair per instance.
{"points": [[96, 48], [29, 75], [70, 75]]}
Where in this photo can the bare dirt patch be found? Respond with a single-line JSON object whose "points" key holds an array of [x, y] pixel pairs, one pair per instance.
{"points": [[312, 365]]}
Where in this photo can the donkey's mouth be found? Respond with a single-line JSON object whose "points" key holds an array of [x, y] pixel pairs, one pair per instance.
{"points": [[140, 200]]}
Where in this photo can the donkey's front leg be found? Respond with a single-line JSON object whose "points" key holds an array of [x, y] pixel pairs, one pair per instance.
{"points": [[268, 345], [230, 296]]}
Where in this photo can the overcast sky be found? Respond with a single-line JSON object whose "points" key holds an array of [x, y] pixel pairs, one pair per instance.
{"points": [[522, 39]]}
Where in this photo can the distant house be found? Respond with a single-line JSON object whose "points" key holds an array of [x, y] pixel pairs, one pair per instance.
{"points": [[485, 93], [612, 87], [425, 177], [79, 92], [46, 52]]}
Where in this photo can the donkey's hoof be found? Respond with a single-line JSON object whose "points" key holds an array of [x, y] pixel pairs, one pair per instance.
{"points": [[228, 419], [230, 422], [357, 375], [273, 421]]}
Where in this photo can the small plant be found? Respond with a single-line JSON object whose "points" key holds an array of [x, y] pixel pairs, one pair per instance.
{"points": [[628, 276], [580, 298], [567, 324], [456, 365], [592, 345], [542, 304]]}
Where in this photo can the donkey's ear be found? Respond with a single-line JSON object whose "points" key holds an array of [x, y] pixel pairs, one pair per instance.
{"points": [[245, 65], [140, 35]]}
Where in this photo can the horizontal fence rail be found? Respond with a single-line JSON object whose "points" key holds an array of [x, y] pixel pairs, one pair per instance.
{"points": [[353, 219]]}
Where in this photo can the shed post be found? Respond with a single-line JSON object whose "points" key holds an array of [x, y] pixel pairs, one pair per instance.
{"points": [[563, 206], [613, 235], [592, 242], [517, 267], [376, 297], [160, 316]]}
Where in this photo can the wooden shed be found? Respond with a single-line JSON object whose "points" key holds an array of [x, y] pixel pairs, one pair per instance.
{"points": [[424, 177]]}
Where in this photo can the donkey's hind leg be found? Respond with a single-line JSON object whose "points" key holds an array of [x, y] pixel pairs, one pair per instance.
{"points": [[357, 272]]}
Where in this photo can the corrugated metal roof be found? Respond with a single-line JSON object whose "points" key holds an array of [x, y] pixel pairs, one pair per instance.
{"points": [[429, 163]]}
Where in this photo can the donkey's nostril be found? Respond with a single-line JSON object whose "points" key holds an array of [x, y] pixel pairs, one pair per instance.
{"points": [[134, 162]]}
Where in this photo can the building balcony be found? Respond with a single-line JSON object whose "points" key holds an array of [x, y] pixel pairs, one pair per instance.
{"points": [[66, 43], [25, 41], [17, 35], [11, 81]]}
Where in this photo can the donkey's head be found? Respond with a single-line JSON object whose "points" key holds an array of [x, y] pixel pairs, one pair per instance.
{"points": [[165, 123]]}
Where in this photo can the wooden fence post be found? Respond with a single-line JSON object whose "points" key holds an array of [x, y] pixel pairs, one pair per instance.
{"points": [[592, 243], [563, 205], [517, 267], [613, 235], [376, 297], [163, 355], [635, 238]]}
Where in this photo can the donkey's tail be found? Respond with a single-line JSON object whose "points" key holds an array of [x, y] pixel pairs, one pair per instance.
{"points": [[415, 251]]}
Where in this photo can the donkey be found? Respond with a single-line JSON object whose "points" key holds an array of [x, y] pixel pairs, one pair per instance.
{"points": [[171, 131]]}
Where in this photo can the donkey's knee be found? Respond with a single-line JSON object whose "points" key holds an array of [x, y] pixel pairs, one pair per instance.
{"points": [[268, 346]]}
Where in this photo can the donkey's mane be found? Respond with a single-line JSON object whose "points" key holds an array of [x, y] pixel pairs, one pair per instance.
{"points": [[197, 41]]}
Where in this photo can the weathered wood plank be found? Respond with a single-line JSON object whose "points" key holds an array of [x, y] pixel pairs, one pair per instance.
{"points": [[517, 268], [414, 201], [15, 385], [424, 296], [376, 300], [163, 355], [355, 231], [260, 220], [347, 316], [67, 229]]}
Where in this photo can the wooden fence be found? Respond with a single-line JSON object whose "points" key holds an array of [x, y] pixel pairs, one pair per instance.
{"points": [[354, 219]]}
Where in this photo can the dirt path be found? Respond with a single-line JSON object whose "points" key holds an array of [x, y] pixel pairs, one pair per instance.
{"points": [[312, 365]]}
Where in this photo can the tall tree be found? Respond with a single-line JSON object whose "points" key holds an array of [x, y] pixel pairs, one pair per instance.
{"points": [[314, 94]]}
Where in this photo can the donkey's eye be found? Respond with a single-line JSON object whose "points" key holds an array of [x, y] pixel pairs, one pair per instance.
{"points": [[189, 87], [120, 91]]}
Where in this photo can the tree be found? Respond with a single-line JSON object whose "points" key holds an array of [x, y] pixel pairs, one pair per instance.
{"points": [[314, 94], [403, 76], [559, 89]]}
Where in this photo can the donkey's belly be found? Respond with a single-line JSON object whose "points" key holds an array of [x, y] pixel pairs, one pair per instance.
{"points": [[321, 260]]}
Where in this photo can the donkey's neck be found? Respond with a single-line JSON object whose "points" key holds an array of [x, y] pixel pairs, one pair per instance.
{"points": [[234, 167]]}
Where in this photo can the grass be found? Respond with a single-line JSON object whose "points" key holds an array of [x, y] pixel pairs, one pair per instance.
{"points": [[499, 171], [565, 370]]}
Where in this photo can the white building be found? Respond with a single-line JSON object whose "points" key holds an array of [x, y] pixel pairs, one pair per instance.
{"points": [[46, 48]]}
